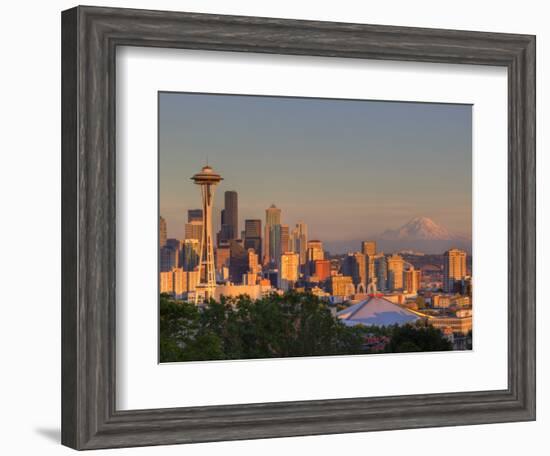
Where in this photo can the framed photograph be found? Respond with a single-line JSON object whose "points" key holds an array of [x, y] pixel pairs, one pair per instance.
{"points": [[279, 228]]}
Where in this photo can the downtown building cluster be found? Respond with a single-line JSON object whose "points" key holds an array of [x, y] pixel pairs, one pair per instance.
{"points": [[269, 256]]}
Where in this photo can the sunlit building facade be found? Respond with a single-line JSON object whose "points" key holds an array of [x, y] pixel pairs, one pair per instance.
{"points": [[289, 271], [411, 280], [396, 266], [272, 237], [454, 269], [191, 254], [321, 269], [253, 236]]}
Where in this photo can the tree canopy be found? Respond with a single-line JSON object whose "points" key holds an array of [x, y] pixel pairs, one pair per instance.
{"points": [[290, 325]]}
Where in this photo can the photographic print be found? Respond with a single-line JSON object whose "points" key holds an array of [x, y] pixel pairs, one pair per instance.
{"points": [[292, 227]]}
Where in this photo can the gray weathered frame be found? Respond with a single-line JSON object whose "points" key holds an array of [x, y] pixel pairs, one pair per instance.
{"points": [[90, 36]]}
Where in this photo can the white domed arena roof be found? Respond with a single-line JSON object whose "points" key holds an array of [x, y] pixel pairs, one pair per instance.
{"points": [[376, 311]]}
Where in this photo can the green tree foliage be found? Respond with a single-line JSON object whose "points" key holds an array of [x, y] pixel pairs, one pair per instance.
{"points": [[295, 324], [417, 338], [181, 336]]}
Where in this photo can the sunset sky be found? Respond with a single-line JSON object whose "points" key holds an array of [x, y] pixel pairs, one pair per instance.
{"points": [[349, 169]]}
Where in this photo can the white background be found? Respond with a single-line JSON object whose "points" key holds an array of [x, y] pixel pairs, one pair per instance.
{"points": [[30, 239], [142, 72]]}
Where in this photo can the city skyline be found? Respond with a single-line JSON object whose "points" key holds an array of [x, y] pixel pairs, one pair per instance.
{"points": [[312, 226], [300, 184]]}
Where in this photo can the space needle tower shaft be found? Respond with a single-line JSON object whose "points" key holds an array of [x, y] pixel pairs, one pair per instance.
{"points": [[207, 179]]}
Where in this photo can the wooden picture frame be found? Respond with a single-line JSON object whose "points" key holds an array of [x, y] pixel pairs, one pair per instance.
{"points": [[90, 36]]}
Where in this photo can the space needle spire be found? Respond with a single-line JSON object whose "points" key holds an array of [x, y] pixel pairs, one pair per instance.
{"points": [[207, 179]]}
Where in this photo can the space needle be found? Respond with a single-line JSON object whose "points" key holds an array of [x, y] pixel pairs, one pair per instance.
{"points": [[207, 179]]}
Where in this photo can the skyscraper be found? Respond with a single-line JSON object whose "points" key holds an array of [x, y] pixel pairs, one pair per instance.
{"points": [[176, 245], [368, 247], [315, 250], [454, 269], [395, 272], [411, 280], [341, 285], [354, 266], [162, 232], [222, 260], [231, 214], [168, 258], [193, 230], [253, 262], [253, 236], [290, 264], [194, 215], [321, 269], [207, 179], [298, 241], [229, 227], [381, 271], [369, 250], [252, 228], [238, 261], [191, 254], [272, 238], [285, 240]]}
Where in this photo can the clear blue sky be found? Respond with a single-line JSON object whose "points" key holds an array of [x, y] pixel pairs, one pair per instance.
{"points": [[347, 168]]}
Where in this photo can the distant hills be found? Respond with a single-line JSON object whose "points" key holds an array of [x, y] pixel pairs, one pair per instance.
{"points": [[420, 234]]}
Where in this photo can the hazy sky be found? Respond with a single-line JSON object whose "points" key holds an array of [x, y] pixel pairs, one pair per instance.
{"points": [[349, 169]]}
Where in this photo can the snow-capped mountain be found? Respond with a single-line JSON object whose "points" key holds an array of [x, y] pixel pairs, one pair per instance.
{"points": [[420, 229]]}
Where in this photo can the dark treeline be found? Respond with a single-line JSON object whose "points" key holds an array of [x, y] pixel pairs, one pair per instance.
{"points": [[295, 324]]}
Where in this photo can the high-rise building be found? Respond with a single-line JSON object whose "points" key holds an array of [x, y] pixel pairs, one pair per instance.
{"points": [[272, 237], [354, 265], [298, 241], [368, 247], [177, 246], [381, 272], [194, 215], [207, 179], [166, 282], [169, 258], [315, 250], [191, 254], [229, 226], [184, 282], [285, 240], [231, 217], [289, 271], [222, 256], [253, 262], [321, 269], [369, 267], [454, 269], [253, 236], [179, 282], [341, 285], [273, 215], [224, 235], [396, 266], [193, 230], [411, 279], [238, 261], [163, 232]]}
